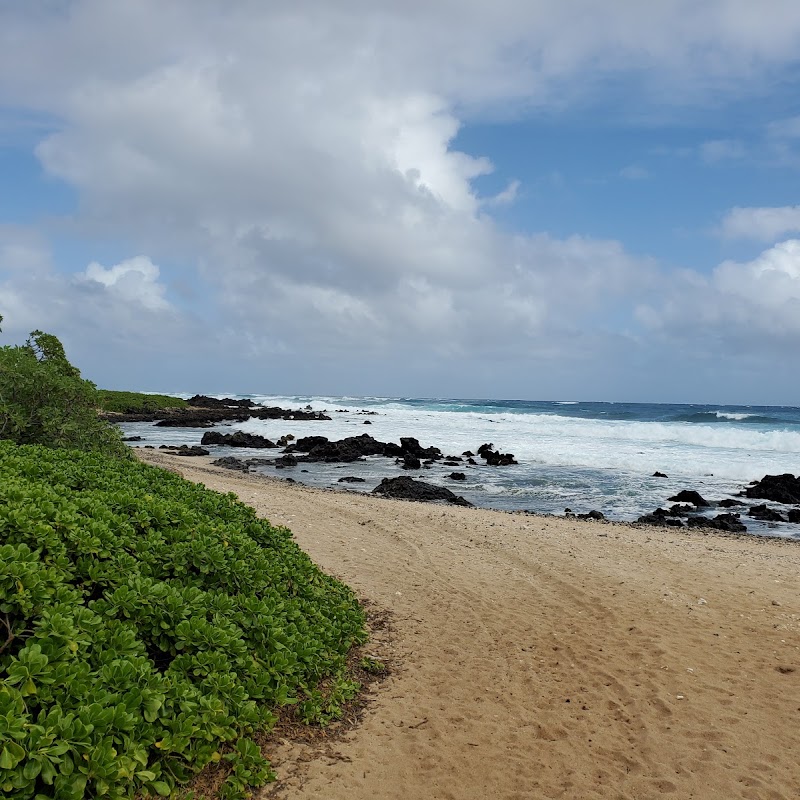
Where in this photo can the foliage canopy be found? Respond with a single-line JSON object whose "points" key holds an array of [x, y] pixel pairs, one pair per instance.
{"points": [[44, 400]]}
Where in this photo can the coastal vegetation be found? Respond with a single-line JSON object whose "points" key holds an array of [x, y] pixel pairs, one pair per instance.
{"points": [[148, 626], [44, 400], [136, 402]]}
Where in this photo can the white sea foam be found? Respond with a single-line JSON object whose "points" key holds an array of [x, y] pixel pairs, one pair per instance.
{"points": [[687, 449], [564, 461], [732, 416]]}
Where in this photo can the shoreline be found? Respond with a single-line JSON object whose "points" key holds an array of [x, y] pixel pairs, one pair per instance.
{"points": [[549, 657]]}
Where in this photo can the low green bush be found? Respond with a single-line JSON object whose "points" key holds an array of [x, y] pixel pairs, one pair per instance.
{"points": [[136, 402], [148, 626]]}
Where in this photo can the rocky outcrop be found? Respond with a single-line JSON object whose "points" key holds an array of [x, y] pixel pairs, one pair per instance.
{"points": [[352, 448], [493, 458], [405, 488], [194, 450], [206, 416], [236, 439], [729, 503], [690, 496], [660, 520], [273, 412], [229, 462], [457, 476], [657, 474], [196, 418], [203, 401], [722, 522], [351, 479], [777, 488], [410, 446], [592, 515], [766, 514]]}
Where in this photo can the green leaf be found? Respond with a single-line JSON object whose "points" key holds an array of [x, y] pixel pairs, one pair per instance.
{"points": [[11, 755], [161, 787]]}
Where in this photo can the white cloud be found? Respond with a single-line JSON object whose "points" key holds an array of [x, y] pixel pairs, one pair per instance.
{"points": [[301, 159], [505, 198], [751, 304], [760, 224], [132, 281]]}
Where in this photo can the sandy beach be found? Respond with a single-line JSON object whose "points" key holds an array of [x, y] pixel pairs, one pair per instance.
{"points": [[541, 657]]}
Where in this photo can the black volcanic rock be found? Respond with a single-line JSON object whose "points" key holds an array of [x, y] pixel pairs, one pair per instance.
{"points": [[197, 418], [794, 515], [230, 462], [236, 439], [493, 458], [405, 488], [722, 522], [185, 450], [351, 479], [273, 412], [659, 475], [689, 496], [592, 515], [202, 401], [778, 488], [660, 520], [457, 476], [412, 447], [351, 448], [766, 514], [729, 503], [305, 444]]}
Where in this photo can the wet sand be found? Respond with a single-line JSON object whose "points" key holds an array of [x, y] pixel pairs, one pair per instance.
{"points": [[541, 657]]}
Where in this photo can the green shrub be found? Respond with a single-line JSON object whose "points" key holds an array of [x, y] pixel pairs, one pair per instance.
{"points": [[148, 626], [43, 400], [136, 402]]}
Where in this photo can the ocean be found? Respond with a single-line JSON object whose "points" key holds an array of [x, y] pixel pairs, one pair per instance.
{"points": [[578, 455]]}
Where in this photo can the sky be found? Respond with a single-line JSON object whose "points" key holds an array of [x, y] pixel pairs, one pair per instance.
{"points": [[534, 199]]}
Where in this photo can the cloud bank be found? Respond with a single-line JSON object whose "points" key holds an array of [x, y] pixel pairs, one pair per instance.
{"points": [[299, 162]]}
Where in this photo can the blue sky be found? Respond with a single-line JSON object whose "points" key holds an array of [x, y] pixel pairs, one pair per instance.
{"points": [[537, 200]]}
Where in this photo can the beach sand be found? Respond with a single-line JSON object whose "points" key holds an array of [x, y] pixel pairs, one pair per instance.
{"points": [[541, 657]]}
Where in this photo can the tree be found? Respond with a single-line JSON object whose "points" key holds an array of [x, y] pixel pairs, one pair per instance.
{"points": [[44, 400]]}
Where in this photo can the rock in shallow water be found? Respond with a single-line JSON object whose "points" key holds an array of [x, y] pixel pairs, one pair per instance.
{"points": [[689, 496], [778, 488], [405, 488], [722, 522]]}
